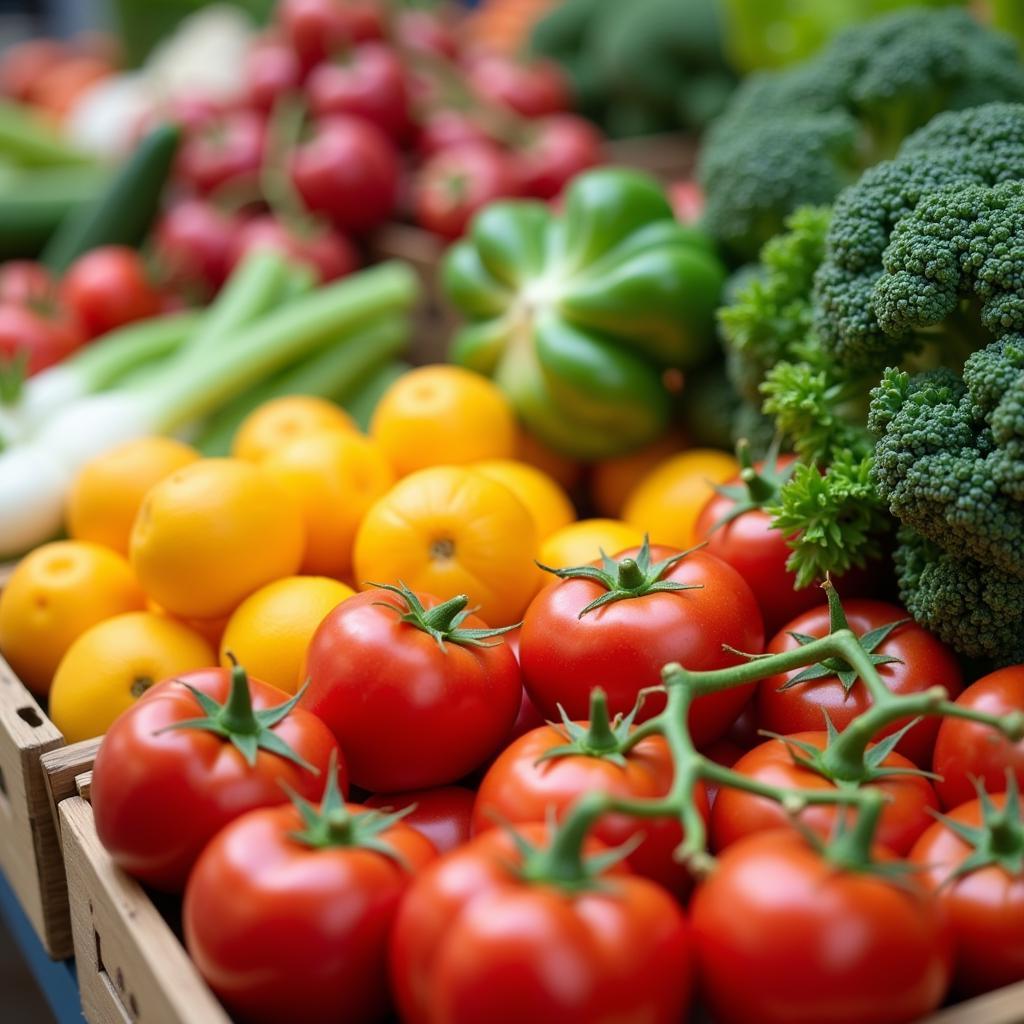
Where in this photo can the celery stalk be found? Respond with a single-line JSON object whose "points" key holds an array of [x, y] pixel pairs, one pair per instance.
{"points": [[35, 475]]}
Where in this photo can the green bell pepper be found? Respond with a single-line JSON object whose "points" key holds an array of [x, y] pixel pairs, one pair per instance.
{"points": [[577, 317]]}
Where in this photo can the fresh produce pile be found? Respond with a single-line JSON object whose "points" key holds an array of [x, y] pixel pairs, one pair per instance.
{"points": [[499, 689]]}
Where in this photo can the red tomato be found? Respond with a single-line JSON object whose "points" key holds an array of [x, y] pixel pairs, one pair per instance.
{"points": [[528, 718], [39, 340], [272, 69], [107, 288], [474, 941], [623, 646], [367, 81], [160, 791], [408, 712], [560, 147], [924, 661], [784, 935], [26, 283], [736, 814], [316, 29], [985, 906], [964, 749], [194, 243], [452, 185], [533, 88], [291, 930], [328, 252], [446, 129], [525, 785], [756, 551], [348, 171], [227, 150], [443, 814]]}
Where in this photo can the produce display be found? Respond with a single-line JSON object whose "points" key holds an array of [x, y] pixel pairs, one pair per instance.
{"points": [[653, 657]]}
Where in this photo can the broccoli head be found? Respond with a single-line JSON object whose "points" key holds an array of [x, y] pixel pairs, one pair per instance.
{"points": [[929, 246], [949, 464], [947, 460], [802, 134], [973, 607]]}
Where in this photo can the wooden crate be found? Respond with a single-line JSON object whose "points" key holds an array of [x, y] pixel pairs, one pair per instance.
{"points": [[30, 854], [133, 967]]}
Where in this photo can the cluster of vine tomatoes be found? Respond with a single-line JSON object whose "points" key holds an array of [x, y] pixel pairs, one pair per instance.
{"points": [[444, 890]]}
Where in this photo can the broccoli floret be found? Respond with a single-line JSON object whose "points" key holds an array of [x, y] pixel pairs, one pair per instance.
{"points": [[973, 607], [837, 517], [932, 238], [802, 134], [939, 464], [766, 317]]}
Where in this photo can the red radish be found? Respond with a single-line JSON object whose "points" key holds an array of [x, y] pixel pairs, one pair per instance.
{"points": [[329, 253], [27, 283], [316, 29], [228, 149], [271, 70], [425, 32], [531, 88], [367, 81], [560, 147], [194, 242], [445, 129], [348, 172], [455, 183], [37, 340]]}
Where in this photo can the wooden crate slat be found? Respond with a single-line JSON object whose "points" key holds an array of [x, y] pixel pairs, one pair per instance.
{"points": [[131, 966], [30, 854], [63, 768]]}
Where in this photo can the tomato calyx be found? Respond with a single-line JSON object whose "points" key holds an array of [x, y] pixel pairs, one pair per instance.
{"points": [[601, 737], [627, 578], [856, 763], [562, 863], [836, 666], [999, 839], [757, 488], [850, 847], [333, 825], [237, 721], [444, 621]]}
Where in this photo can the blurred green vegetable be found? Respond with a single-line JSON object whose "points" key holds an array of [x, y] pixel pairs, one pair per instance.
{"points": [[577, 317], [774, 33], [641, 67], [800, 135]]}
